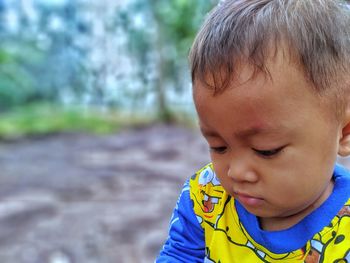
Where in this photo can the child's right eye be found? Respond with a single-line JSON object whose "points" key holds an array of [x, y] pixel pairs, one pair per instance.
{"points": [[219, 150], [268, 153]]}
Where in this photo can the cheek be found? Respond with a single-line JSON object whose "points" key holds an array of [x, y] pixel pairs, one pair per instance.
{"points": [[221, 167], [329, 154], [312, 165], [297, 184]]}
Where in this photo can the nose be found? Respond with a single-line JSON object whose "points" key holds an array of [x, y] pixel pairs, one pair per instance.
{"points": [[241, 171]]}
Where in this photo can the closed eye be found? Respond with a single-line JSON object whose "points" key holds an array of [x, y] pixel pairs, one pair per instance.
{"points": [[268, 153], [219, 150]]}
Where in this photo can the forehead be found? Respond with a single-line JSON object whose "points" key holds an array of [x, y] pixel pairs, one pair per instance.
{"points": [[263, 103]]}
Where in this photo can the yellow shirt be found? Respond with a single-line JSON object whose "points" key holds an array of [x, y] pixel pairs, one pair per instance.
{"points": [[229, 238]]}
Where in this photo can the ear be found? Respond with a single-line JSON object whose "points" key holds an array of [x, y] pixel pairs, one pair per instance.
{"points": [[344, 141]]}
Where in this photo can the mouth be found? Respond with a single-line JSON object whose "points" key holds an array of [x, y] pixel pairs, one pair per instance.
{"points": [[248, 200]]}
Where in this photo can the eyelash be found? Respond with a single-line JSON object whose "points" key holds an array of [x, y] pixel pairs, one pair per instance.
{"points": [[263, 153], [269, 153], [219, 150]]}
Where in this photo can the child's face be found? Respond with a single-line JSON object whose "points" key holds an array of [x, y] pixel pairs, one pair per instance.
{"points": [[273, 143]]}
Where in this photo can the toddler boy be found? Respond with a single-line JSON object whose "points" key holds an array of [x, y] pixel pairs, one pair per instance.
{"points": [[271, 88]]}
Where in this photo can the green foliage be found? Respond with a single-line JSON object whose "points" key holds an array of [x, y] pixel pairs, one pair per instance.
{"points": [[17, 84], [160, 33], [179, 21], [41, 62], [41, 119]]}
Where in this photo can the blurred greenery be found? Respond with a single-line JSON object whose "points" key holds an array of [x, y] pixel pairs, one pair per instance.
{"points": [[176, 23], [40, 119], [16, 82], [128, 56]]}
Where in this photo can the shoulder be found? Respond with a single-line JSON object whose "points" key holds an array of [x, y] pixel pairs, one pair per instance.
{"points": [[333, 241]]}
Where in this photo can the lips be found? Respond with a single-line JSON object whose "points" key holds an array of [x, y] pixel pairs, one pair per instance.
{"points": [[248, 200]]}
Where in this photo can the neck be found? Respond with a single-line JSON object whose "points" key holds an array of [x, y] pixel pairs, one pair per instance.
{"points": [[284, 222]]}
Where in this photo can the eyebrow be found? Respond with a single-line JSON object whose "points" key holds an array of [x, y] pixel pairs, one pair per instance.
{"points": [[244, 134], [251, 132], [208, 133]]}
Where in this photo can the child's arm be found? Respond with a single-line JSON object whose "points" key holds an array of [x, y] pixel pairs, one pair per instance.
{"points": [[186, 237]]}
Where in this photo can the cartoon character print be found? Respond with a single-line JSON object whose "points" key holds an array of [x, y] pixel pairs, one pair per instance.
{"points": [[207, 179], [242, 243], [207, 257], [345, 211], [333, 245], [222, 226], [314, 254], [209, 203]]}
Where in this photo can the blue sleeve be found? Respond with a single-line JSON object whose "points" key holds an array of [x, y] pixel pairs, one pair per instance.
{"points": [[185, 242]]}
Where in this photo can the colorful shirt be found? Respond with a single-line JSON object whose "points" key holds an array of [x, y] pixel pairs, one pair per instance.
{"points": [[208, 225]]}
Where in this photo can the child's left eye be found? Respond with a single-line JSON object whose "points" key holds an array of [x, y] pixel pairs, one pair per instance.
{"points": [[268, 153]]}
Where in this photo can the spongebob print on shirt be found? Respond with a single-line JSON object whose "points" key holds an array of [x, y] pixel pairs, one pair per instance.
{"points": [[227, 240]]}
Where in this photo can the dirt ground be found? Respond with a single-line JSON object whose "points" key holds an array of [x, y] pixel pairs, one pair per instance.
{"points": [[93, 199], [75, 198]]}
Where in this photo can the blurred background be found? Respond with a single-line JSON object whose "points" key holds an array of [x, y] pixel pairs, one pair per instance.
{"points": [[112, 56], [97, 127]]}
